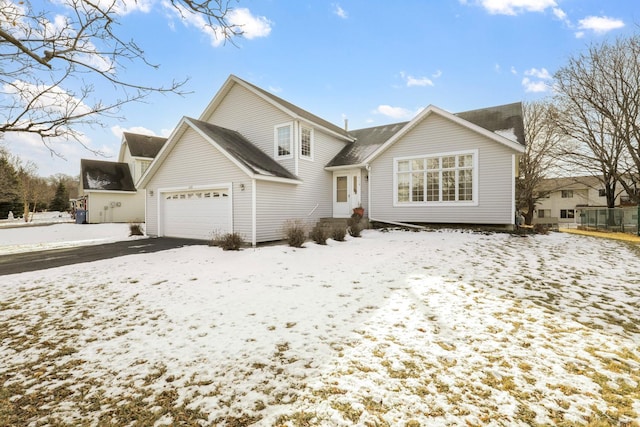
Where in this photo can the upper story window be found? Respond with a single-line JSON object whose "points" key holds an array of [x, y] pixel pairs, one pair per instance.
{"points": [[283, 141], [567, 194], [443, 178], [306, 143], [602, 192]]}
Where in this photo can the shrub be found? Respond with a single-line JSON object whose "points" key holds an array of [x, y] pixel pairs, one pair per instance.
{"points": [[319, 234], [355, 229], [228, 241], [338, 233], [355, 225], [296, 233], [136, 230], [541, 229]]}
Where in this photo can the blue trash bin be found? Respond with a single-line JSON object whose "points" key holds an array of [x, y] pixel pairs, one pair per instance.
{"points": [[81, 216]]}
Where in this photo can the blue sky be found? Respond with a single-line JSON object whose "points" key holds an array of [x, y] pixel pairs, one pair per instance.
{"points": [[372, 62]]}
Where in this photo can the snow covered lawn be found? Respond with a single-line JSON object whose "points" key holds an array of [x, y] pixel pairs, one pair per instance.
{"points": [[398, 328]]}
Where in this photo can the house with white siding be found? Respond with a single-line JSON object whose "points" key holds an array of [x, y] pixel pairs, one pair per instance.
{"points": [[108, 190], [253, 161], [563, 198]]}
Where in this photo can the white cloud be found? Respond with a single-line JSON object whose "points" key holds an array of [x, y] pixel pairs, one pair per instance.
{"points": [[275, 89], [338, 10], [416, 81], [47, 100], [251, 26], [560, 14], [515, 7], [396, 113], [437, 74], [600, 24], [498, 68], [117, 131], [514, 71], [536, 80], [420, 81], [534, 86], [30, 147], [579, 34], [540, 74]]}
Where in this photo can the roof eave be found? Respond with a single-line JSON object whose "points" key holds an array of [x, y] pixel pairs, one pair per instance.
{"points": [[94, 190], [162, 154], [278, 179], [345, 167]]}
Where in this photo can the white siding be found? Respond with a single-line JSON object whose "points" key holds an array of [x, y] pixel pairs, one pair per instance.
{"points": [[255, 119], [195, 162], [435, 135], [115, 207], [308, 202]]}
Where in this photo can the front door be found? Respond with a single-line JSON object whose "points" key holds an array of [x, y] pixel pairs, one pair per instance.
{"points": [[346, 192]]}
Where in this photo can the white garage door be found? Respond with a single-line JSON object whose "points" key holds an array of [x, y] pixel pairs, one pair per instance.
{"points": [[196, 214]]}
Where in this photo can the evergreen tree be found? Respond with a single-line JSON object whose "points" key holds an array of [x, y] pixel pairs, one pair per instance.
{"points": [[60, 201], [9, 187]]}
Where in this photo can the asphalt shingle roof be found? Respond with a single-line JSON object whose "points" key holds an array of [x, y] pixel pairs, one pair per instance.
{"points": [[243, 150], [367, 141], [504, 120], [108, 176], [144, 145]]}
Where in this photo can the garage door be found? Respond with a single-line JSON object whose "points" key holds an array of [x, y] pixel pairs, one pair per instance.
{"points": [[196, 214]]}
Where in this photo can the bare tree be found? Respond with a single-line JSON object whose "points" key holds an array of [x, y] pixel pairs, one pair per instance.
{"points": [[26, 173], [52, 61], [539, 159], [600, 94]]}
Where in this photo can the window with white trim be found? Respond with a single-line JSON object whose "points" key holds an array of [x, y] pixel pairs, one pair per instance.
{"points": [[283, 135], [445, 178], [306, 143], [544, 213]]}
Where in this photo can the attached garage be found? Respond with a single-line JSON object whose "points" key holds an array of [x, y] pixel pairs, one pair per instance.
{"points": [[196, 213]]}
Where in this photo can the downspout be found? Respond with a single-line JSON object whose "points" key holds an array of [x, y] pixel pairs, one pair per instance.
{"points": [[513, 189], [254, 213], [294, 146], [367, 167], [145, 212]]}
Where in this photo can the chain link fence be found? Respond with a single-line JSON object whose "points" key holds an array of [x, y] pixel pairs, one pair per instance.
{"points": [[623, 220]]}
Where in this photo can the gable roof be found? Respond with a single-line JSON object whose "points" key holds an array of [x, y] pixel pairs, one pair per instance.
{"points": [[501, 123], [250, 156], [106, 176], [143, 145], [235, 147], [288, 108]]}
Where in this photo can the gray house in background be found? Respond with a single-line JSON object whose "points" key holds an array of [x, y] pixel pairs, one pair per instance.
{"points": [[253, 161]]}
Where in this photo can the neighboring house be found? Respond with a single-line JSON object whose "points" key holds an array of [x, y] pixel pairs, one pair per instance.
{"points": [[108, 189], [565, 196], [253, 161]]}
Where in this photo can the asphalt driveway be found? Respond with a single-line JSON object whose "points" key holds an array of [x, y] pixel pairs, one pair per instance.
{"points": [[40, 260]]}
